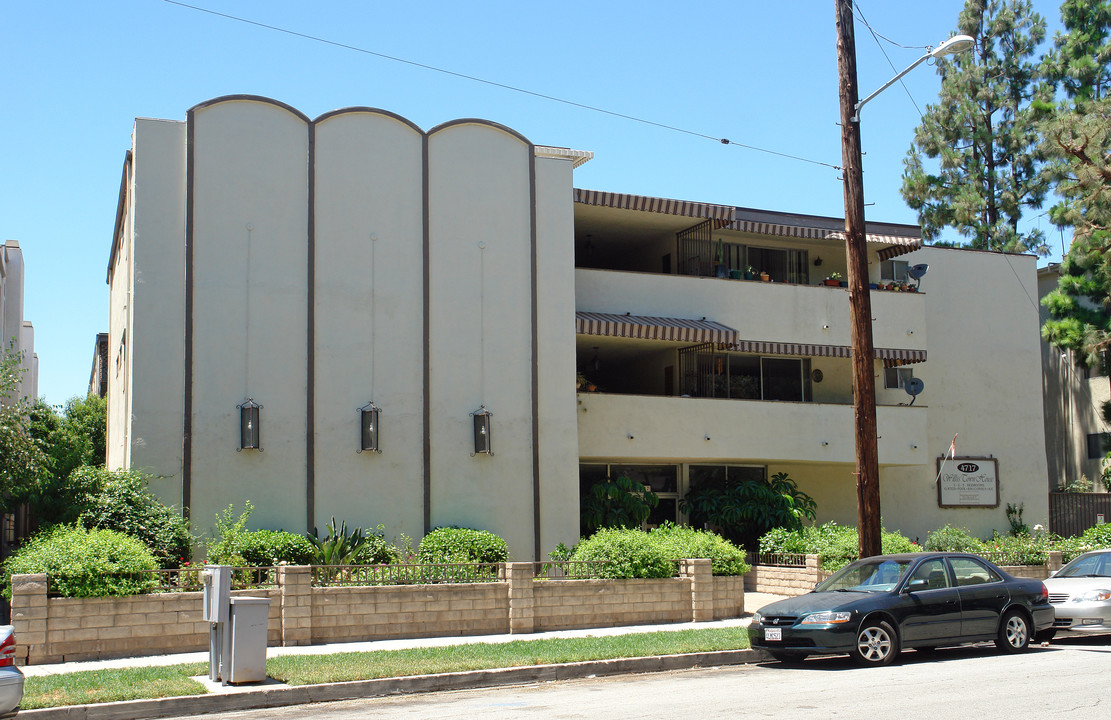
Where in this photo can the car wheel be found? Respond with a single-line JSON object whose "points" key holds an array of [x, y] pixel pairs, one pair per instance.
{"points": [[1045, 635], [876, 644], [787, 658], [1014, 632]]}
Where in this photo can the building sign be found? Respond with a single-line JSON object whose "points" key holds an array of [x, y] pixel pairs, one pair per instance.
{"points": [[968, 482]]}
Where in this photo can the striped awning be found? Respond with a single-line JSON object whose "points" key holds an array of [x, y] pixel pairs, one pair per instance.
{"points": [[892, 357], [654, 328], [898, 244], [656, 205], [725, 216]]}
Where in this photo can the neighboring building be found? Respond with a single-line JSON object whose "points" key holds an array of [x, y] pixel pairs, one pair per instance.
{"points": [[17, 334], [98, 376], [1076, 435], [273, 276]]}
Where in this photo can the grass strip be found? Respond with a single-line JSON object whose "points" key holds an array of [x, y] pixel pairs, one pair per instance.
{"points": [[343, 667], [99, 686]]}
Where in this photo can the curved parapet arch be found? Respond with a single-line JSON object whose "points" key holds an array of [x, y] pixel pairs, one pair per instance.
{"points": [[486, 123], [249, 98], [362, 109]]}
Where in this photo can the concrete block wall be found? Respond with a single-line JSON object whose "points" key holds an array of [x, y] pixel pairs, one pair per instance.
{"points": [[342, 614], [779, 580], [65, 629]]}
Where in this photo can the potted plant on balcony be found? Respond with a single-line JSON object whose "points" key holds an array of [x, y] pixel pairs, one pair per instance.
{"points": [[833, 279], [750, 272], [765, 277]]}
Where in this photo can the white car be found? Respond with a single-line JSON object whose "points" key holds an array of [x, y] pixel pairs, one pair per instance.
{"points": [[11, 679], [1080, 593]]}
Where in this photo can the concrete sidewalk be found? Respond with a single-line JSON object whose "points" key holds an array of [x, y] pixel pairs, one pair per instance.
{"points": [[752, 602]]}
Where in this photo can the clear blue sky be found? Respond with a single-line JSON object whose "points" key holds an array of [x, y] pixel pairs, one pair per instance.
{"points": [[76, 74]]}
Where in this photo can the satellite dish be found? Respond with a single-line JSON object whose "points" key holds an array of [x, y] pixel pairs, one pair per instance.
{"points": [[917, 271], [913, 386]]}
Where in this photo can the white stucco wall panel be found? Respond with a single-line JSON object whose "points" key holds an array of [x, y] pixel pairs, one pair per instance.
{"points": [[982, 383], [773, 312], [369, 320], [669, 428], [157, 348], [559, 473], [480, 334], [118, 430], [250, 230]]}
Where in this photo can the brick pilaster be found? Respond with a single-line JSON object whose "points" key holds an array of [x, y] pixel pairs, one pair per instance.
{"points": [[701, 574], [29, 618], [1053, 563], [295, 589], [522, 605]]}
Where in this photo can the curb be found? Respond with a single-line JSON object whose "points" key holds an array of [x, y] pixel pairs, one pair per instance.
{"points": [[331, 692]]}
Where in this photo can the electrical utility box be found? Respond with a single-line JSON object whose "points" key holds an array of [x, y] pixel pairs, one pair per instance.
{"points": [[237, 630]]}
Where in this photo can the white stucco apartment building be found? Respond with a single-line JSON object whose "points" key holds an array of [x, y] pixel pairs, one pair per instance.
{"points": [[16, 334], [327, 268]]}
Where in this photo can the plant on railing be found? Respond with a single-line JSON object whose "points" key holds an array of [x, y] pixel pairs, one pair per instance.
{"points": [[616, 503], [85, 563], [743, 510], [340, 547]]}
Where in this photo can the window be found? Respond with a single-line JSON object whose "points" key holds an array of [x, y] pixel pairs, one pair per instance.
{"points": [[705, 372], [934, 573], [1098, 444], [895, 270], [788, 266], [895, 378], [972, 572]]}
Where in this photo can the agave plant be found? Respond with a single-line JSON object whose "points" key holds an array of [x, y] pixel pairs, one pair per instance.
{"points": [[339, 547]]}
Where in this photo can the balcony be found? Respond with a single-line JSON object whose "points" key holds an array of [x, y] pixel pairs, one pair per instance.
{"points": [[759, 311], [647, 428]]}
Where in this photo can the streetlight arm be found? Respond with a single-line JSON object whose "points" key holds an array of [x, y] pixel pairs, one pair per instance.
{"points": [[889, 83]]}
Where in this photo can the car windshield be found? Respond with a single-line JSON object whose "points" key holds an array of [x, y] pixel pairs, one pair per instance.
{"points": [[1098, 565], [868, 575]]}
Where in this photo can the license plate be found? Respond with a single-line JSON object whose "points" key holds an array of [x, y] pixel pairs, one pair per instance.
{"points": [[773, 634]]}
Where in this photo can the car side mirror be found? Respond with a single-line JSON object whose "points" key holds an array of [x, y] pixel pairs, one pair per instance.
{"points": [[918, 584]]}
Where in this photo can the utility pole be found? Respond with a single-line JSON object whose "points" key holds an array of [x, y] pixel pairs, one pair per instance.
{"points": [[860, 302]]}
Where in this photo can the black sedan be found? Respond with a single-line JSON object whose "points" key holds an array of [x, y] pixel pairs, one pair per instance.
{"points": [[875, 607]]}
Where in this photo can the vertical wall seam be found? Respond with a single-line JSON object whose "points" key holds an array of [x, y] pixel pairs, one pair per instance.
{"points": [[310, 332], [187, 419], [427, 411], [535, 356]]}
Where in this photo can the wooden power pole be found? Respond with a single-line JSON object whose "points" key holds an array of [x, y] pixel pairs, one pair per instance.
{"points": [[860, 303]]}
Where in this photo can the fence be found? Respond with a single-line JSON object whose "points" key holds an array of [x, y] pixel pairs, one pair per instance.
{"points": [[309, 605], [1070, 514]]}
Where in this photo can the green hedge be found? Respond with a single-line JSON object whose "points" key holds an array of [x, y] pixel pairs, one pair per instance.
{"points": [[838, 545], [462, 545], [681, 542], [85, 563], [625, 554], [264, 548]]}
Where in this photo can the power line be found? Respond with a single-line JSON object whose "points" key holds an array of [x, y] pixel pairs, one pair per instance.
{"points": [[859, 14], [876, 36], [492, 83]]}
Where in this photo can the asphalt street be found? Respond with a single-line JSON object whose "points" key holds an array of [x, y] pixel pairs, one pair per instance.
{"points": [[1068, 679]]}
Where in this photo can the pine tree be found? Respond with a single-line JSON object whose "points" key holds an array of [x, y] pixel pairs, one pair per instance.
{"points": [[1077, 144], [980, 136]]}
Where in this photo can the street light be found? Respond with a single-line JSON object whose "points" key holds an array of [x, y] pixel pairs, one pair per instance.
{"points": [[953, 46], [860, 302]]}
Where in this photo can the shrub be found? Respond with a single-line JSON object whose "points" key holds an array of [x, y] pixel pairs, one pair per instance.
{"points": [[679, 542], [263, 548], [627, 553], [744, 510], [85, 563], [224, 550], [953, 539], [1098, 536], [377, 550], [616, 502], [122, 502], [461, 545], [837, 545], [1018, 549], [340, 547]]}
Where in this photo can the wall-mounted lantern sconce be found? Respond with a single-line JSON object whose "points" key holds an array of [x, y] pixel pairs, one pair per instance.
{"points": [[482, 431], [250, 426], [369, 417]]}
